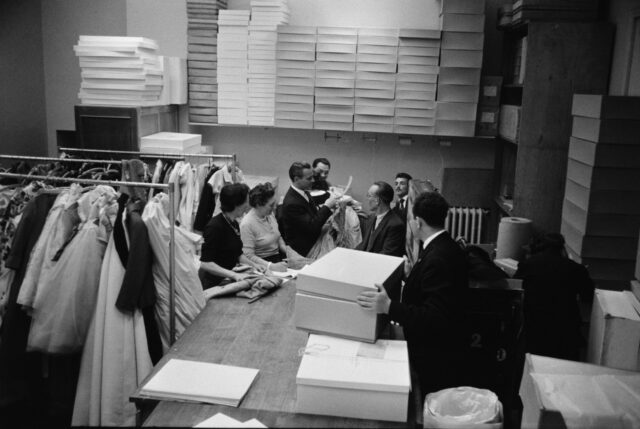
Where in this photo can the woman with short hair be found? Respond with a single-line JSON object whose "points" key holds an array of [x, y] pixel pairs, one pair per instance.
{"points": [[261, 239], [222, 247]]}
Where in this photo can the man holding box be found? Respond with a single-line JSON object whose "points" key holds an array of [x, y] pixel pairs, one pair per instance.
{"points": [[431, 310]]}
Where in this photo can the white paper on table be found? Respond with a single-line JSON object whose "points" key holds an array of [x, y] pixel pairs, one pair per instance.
{"points": [[220, 421]]}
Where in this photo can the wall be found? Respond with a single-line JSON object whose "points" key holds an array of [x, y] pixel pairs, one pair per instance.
{"points": [[63, 21], [621, 13], [270, 151], [22, 96]]}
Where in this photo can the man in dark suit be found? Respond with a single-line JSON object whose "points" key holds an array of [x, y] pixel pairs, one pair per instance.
{"points": [[402, 194], [431, 310], [383, 230], [302, 220]]}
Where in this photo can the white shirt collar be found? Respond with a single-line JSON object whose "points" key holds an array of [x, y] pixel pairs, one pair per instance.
{"points": [[431, 237], [304, 195], [379, 218]]}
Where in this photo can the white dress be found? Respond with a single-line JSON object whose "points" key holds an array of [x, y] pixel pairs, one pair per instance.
{"points": [[115, 357], [63, 310], [189, 296], [54, 234]]}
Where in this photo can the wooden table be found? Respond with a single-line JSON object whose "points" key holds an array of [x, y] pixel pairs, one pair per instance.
{"points": [[259, 335]]}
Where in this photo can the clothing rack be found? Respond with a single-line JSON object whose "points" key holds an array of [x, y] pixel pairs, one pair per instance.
{"points": [[50, 159], [169, 187], [173, 156]]}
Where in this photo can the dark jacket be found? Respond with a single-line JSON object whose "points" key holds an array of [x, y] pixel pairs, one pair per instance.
{"points": [[302, 221], [402, 214], [552, 283], [432, 311], [387, 238]]}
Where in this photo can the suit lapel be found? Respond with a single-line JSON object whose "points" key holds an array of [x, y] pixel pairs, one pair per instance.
{"points": [[311, 208], [376, 232]]}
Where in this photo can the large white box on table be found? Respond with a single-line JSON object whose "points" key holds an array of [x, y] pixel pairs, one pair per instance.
{"points": [[346, 378], [614, 333], [328, 288]]}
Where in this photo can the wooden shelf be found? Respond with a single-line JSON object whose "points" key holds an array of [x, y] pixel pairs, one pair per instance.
{"points": [[506, 206]]}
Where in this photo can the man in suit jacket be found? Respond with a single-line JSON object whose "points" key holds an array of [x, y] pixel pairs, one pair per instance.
{"points": [[431, 311], [383, 231], [402, 194], [302, 220]]}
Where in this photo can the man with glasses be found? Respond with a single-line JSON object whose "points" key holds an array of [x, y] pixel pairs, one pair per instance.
{"points": [[302, 220], [383, 231]]}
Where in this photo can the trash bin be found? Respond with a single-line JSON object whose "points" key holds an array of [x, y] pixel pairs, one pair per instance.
{"points": [[462, 407]]}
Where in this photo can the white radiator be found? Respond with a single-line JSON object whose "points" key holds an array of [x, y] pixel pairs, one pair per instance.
{"points": [[466, 222]]}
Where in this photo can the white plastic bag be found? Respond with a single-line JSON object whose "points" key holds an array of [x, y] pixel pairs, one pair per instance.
{"points": [[462, 407]]}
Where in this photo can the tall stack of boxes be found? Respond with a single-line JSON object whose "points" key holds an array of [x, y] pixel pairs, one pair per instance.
{"points": [[295, 81], [345, 371], [601, 210], [233, 90], [335, 78], [418, 57], [266, 15], [202, 29], [377, 56], [460, 66]]}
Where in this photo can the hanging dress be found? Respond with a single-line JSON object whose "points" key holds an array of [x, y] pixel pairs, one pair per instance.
{"points": [[115, 356], [63, 310], [189, 297]]}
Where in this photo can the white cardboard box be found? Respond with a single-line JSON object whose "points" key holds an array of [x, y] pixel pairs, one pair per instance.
{"points": [[344, 273], [337, 317], [346, 378], [170, 141], [614, 335]]}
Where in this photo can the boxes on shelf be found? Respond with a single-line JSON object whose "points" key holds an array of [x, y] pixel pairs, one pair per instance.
{"points": [[614, 335], [327, 291], [490, 87], [487, 121], [346, 378]]}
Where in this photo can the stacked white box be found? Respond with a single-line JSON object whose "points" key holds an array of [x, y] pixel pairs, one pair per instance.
{"points": [[233, 64], [377, 56], [327, 291], [168, 142], [461, 62], [266, 15], [335, 78], [295, 71], [418, 59], [347, 378], [202, 30], [119, 71]]}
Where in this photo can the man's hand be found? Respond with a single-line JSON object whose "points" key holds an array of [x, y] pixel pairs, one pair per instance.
{"points": [[332, 201], [240, 276], [376, 301]]}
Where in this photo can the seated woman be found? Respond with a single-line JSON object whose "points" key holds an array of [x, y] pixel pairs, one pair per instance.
{"points": [[222, 247], [261, 239]]}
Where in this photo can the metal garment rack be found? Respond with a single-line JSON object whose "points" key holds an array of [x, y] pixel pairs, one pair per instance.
{"points": [[173, 156], [169, 187]]}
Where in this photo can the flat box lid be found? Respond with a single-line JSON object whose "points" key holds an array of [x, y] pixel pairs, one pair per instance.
{"points": [[344, 273], [171, 140], [346, 364]]}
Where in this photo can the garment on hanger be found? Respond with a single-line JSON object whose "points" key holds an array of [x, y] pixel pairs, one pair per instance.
{"points": [[134, 170], [219, 179], [61, 220], [206, 204], [189, 297], [134, 250], [63, 310], [16, 365], [183, 175], [115, 357]]}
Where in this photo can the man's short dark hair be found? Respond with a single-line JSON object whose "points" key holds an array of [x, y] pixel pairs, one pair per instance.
{"points": [[296, 170], [385, 192], [233, 195], [402, 175], [261, 194], [321, 160], [432, 208]]}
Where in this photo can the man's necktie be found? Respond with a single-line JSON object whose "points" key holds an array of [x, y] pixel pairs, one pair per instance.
{"points": [[401, 203]]}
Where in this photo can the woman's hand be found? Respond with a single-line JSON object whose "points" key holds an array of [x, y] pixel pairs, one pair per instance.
{"points": [[377, 301], [240, 276], [280, 267]]}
